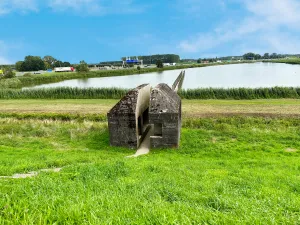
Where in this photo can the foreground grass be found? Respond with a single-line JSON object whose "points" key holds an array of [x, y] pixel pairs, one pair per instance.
{"points": [[96, 109], [227, 171]]}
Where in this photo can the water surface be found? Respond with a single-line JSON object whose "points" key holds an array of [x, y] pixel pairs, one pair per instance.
{"points": [[227, 76]]}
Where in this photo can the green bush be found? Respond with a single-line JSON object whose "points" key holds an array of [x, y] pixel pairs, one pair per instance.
{"points": [[10, 83], [8, 73], [82, 67]]}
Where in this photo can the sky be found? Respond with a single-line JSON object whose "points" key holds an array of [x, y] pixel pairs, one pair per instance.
{"points": [[106, 30]]}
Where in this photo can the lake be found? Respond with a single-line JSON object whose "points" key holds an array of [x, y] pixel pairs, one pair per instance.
{"points": [[227, 76]]}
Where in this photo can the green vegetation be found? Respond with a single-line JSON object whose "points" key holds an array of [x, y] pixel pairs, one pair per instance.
{"points": [[159, 64], [227, 171], [9, 83], [293, 61], [117, 93], [82, 67], [36, 63]]}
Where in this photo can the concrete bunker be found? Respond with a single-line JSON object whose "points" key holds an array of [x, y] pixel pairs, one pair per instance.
{"points": [[128, 120], [165, 115], [142, 112]]}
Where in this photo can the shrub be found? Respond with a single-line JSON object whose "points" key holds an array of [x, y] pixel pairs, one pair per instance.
{"points": [[82, 67], [10, 83], [8, 73], [159, 64]]}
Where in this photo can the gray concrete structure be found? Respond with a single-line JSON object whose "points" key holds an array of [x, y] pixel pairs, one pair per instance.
{"points": [[128, 120], [165, 115]]}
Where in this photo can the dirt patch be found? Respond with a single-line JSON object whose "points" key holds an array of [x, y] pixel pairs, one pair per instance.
{"points": [[291, 150], [30, 174]]}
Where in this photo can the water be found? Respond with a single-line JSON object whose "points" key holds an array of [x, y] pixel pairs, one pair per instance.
{"points": [[229, 76]]}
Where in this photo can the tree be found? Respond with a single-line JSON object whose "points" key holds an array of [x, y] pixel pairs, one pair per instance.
{"points": [[159, 64], [266, 56], [199, 61], [82, 67], [66, 64], [19, 65], [257, 56], [33, 63], [50, 60], [273, 56], [249, 56]]}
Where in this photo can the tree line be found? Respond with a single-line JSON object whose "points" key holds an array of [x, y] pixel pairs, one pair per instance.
{"points": [[152, 59], [254, 56], [36, 63]]}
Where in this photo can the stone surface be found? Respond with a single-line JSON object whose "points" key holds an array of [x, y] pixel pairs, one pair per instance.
{"points": [[165, 115], [128, 119]]}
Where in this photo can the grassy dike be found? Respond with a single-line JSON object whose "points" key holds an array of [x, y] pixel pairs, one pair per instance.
{"points": [[227, 171]]}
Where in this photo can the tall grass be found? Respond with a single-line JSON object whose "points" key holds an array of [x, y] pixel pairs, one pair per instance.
{"points": [[117, 93], [64, 93]]}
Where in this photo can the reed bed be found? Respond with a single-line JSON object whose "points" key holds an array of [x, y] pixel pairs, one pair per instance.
{"points": [[118, 93]]}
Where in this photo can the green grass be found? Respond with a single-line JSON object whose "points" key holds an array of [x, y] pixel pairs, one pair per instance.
{"points": [[227, 171], [293, 61], [117, 93], [96, 109]]}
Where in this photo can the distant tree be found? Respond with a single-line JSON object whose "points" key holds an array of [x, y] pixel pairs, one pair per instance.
{"points": [[138, 68], [66, 64], [249, 56], [33, 63], [159, 64], [257, 57], [58, 64], [273, 56], [266, 56], [19, 65], [82, 67], [199, 61], [50, 60]]}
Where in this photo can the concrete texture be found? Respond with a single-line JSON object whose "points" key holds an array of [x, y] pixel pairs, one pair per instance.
{"points": [[128, 119], [144, 148], [178, 82], [165, 115]]}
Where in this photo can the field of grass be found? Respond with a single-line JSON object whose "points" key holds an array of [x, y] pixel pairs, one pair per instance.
{"points": [[227, 171], [96, 109], [238, 163]]}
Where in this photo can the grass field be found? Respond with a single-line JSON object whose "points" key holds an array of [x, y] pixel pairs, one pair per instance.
{"points": [[191, 108], [226, 173], [229, 169]]}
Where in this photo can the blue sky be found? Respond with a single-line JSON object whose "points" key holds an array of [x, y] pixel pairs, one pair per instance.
{"points": [[102, 30]]}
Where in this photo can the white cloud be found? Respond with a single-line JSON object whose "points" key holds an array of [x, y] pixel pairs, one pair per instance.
{"points": [[97, 7], [21, 6], [262, 28]]}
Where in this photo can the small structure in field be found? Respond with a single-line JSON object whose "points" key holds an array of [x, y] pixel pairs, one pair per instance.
{"points": [[128, 120], [165, 114], [147, 113]]}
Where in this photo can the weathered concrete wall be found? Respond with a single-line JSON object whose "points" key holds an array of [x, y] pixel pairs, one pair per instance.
{"points": [[123, 117], [165, 114], [177, 85]]}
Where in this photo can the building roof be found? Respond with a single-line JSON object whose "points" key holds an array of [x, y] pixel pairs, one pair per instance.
{"points": [[164, 100], [128, 104]]}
